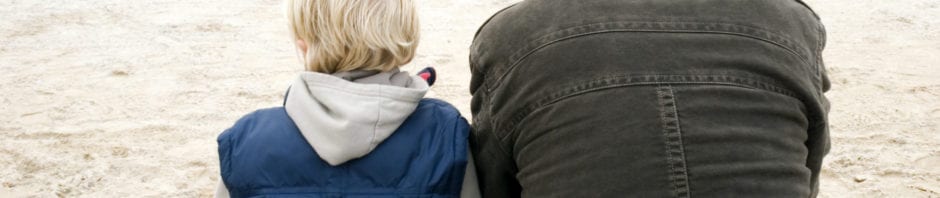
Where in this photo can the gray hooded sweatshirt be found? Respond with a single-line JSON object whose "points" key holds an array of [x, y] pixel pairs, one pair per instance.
{"points": [[344, 116]]}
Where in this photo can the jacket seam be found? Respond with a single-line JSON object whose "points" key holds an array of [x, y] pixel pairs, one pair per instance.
{"points": [[672, 133], [611, 82], [809, 8], [661, 27], [503, 150]]}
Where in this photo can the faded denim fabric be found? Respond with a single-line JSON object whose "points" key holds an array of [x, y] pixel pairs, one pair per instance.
{"points": [[650, 98]]}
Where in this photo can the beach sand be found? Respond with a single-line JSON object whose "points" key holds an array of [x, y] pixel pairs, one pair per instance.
{"points": [[112, 98]]}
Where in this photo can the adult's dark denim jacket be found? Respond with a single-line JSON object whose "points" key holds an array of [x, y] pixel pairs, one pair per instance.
{"points": [[650, 98]]}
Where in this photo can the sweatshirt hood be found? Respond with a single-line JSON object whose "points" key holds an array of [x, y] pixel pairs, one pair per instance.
{"points": [[344, 116]]}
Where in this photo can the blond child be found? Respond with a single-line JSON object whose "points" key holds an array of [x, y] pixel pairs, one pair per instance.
{"points": [[352, 125]]}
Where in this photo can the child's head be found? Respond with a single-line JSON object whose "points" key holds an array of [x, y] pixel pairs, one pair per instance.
{"points": [[345, 35]]}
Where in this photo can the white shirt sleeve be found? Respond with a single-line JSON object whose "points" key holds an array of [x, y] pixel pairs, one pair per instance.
{"points": [[221, 191], [471, 188]]}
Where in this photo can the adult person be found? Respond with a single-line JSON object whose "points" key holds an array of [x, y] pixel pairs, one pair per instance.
{"points": [[650, 98]]}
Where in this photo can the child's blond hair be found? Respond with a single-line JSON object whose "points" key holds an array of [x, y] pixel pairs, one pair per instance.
{"points": [[346, 35]]}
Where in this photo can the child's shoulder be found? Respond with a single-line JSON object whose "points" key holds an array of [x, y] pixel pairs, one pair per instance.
{"points": [[253, 119], [435, 101], [438, 105], [438, 110], [264, 114]]}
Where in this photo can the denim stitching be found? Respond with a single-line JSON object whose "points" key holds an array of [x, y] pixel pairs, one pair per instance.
{"points": [[820, 45], [808, 8], [610, 82], [494, 136], [672, 132], [662, 27]]}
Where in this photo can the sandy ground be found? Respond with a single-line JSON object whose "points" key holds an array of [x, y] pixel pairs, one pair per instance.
{"points": [[114, 98]]}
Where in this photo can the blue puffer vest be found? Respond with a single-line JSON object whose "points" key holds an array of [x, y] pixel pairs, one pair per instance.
{"points": [[265, 155]]}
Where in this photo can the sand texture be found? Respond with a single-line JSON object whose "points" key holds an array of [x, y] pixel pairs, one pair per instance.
{"points": [[112, 98]]}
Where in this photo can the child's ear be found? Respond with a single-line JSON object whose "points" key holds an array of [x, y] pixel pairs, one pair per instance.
{"points": [[302, 45]]}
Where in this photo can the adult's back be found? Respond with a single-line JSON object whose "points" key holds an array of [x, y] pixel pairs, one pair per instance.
{"points": [[650, 98]]}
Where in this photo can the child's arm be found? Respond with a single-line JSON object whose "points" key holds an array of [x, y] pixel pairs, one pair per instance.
{"points": [[470, 189], [221, 191]]}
